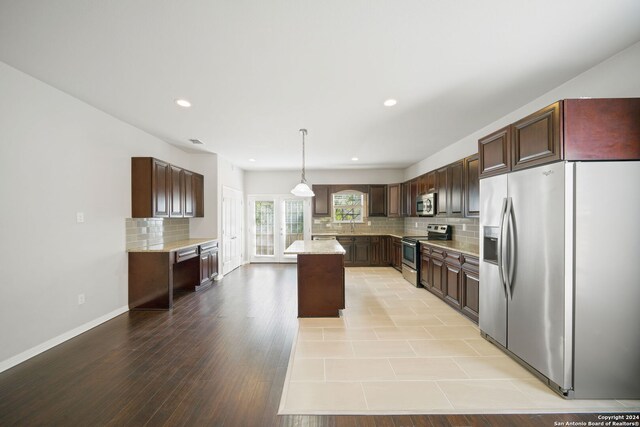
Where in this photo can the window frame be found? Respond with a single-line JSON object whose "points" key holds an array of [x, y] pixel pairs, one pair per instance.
{"points": [[362, 206]]}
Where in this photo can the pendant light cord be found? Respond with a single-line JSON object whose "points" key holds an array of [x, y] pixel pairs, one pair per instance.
{"points": [[304, 179]]}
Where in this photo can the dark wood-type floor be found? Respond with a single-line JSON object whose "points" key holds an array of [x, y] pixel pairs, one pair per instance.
{"points": [[219, 358]]}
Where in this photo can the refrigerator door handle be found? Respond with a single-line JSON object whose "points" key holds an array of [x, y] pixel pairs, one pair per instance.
{"points": [[501, 241], [504, 246], [511, 232]]}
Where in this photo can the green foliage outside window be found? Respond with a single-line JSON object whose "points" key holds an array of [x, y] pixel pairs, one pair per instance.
{"points": [[348, 207]]}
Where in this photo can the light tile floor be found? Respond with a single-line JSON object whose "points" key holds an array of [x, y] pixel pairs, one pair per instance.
{"points": [[398, 349]]}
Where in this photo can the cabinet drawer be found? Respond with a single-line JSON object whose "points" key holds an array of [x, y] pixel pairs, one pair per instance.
{"points": [[471, 263], [438, 253], [208, 247], [186, 253], [425, 250], [454, 258]]}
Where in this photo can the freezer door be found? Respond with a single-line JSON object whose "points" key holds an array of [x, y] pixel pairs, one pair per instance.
{"points": [[492, 316], [607, 309], [536, 315]]}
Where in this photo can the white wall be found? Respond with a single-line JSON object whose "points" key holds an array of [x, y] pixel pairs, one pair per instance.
{"points": [[281, 182], [59, 156], [617, 77], [207, 227]]}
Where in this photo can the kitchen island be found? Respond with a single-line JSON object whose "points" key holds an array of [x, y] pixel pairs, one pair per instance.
{"points": [[320, 277]]}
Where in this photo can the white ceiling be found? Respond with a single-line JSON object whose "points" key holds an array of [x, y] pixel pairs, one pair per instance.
{"points": [[258, 70]]}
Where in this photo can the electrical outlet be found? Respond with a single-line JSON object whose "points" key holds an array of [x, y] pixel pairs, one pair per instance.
{"points": [[416, 225], [80, 299], [79, 217], [369, 223]]}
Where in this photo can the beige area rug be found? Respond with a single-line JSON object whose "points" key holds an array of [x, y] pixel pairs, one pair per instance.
{"points": [[398, 349]]}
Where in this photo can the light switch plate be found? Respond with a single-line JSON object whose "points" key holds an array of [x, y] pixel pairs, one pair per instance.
{"points": [[79, 217]]}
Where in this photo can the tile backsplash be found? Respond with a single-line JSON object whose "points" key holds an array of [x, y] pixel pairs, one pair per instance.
{"points": [[465, 230], [152, 231], [378, 225]]}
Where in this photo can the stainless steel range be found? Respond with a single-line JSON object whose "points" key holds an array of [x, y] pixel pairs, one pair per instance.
{"points": [[411, 250]]}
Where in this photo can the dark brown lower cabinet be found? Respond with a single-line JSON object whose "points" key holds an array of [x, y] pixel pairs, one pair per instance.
{"points": [[452, 276], [380, 251], [470, 287], [348, 245], [452, 283], [439, 273], [154, 276], [396, 253], [425, 267], [361, 251], [208, 264]]}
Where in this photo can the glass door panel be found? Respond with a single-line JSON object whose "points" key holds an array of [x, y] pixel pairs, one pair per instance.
{"points": [[265, 228], [293, 223]]}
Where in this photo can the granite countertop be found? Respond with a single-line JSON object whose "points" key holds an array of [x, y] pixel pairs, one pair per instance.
{"points": [[173, 246], [462, 247], [315, 247]]}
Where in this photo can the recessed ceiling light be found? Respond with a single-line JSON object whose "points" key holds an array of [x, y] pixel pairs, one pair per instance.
{"points": [[355, 159], [252, 160], [183, 103], [390, 102]]}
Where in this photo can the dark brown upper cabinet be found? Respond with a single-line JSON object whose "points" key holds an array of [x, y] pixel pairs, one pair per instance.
{"points": [[198, 195], [536, 139], [161, 190], [571, 129], [422, 184], [494, 152], [377, 200], [394, 200], [602, 129], [442, 189], [177, 185], [471, 186], [405, 208], [413, 198], [431, 182], [188, 194], [322, 200], [456, 189]]}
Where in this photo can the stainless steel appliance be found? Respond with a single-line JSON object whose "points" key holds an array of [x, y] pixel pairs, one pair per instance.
{"points": [[426, 204], [411, 250], [558, 284]]}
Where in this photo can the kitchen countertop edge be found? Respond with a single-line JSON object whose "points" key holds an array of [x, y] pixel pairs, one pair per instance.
{"points": [[172, 246]]}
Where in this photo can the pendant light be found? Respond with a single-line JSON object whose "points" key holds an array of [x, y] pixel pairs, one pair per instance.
{"points": [[302, 189]]}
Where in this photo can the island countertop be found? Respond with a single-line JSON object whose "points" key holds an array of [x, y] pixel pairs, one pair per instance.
{"points": [[315, 247]]}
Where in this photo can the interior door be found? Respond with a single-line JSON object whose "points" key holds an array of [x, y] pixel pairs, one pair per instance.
{"points": [[232, 219], [276, 221]]}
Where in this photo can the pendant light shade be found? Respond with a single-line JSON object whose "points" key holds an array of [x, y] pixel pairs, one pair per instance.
{"points": [[302, 189]]}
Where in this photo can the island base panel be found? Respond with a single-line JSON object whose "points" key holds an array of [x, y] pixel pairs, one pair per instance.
{"points": [[320, 285]]}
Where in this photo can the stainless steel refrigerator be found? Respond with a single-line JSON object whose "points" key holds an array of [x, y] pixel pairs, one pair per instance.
{"points": [[560, 274]]}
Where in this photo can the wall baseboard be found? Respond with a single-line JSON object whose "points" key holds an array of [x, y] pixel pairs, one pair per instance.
{"points": [[41, 348]]}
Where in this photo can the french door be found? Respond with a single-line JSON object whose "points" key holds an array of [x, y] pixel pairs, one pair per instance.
{"points": [[274, 223]]}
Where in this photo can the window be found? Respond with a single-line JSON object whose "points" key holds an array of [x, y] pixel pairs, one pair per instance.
{"points": [[348, 206]]}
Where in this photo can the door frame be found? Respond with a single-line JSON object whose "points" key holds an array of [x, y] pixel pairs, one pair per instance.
{"points": [[231, 193]]}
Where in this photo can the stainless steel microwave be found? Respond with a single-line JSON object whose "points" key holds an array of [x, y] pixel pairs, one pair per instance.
{"points": [[426, 204]]}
